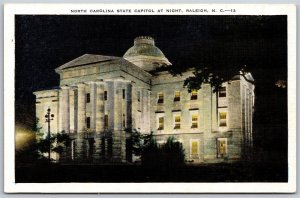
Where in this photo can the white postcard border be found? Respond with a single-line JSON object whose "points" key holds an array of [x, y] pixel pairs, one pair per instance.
{"points": [[49, 9]]}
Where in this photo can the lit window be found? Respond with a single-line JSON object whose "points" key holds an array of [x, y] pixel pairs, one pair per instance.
{"points": [[160, 123], [222, 119], [105, 95], [160, 98], [194, 121], [177, 121], [177, 96], [123, 93], [194, 95], [88, 122], [139, 96], [221, 147], [194, 147], [222, 92], [106, 121], [88, 98]]}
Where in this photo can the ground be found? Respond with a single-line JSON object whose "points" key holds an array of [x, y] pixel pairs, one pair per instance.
{"points": [[222, 172]]}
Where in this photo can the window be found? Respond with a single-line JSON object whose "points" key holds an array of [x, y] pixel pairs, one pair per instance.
{"points": [[138, 120], [221, 147], [194, 147], [139, 96], [88, 122], [105, 95], [194, 121], [194, 95], [222, 92], [123, 93], [106, 121], [88, 98], [222, 119], [124, 121], [177, 96], [160, 123], [160, 98], [177, 121]]}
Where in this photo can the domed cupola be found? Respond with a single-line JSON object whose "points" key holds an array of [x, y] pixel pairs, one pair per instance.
{"points": [[145, 54]]}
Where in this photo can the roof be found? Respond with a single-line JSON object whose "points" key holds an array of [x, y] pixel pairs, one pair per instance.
{"points": [[87, 59], [144, 46], [145, 50]]}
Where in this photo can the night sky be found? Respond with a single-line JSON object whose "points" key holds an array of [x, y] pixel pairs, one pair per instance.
{"points": [[227, 42]]}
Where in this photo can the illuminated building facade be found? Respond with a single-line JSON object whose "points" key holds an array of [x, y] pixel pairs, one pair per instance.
{"points": [[100, 97]]}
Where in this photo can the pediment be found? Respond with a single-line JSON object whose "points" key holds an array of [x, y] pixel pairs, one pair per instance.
{"points": [[86, 59]]}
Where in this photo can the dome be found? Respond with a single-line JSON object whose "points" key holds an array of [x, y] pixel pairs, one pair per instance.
{"points": [[145, 54], [144, 46]]}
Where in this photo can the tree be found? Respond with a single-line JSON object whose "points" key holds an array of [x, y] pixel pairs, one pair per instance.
{"points": [[56, 142], [136, 141], [173, 152], [168, 155], [61, 140], [150, 151]]}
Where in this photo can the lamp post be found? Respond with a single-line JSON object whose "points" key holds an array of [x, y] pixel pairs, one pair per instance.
{"points": [[49, 117]]}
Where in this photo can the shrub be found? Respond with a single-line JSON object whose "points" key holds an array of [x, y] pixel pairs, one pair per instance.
{"points": [[168, 155]]}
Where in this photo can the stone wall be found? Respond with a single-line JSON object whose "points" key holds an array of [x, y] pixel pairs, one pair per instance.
{"points": [[236, 104]]}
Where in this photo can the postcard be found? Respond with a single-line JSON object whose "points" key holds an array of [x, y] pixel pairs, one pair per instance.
{"points": [[149, 98]]}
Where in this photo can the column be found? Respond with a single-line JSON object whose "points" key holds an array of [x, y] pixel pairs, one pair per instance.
{"points": [[72, 105], [118, 106], [99, 107], [64, 110], [148, 113], [134, 106], [145, 127], [246, 117], [129, 105], [69, 155], [110, 104], [75, 109], [81, 107], [119, 141], [93, 106], [80, 142], [60, 111], [142, 109], [251, 110], [99, 110]]}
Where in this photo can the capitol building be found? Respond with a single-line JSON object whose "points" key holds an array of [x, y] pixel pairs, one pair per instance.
{"points": [[101, 99]]}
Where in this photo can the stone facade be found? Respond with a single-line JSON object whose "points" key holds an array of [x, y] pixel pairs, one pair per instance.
{"points": [[100, 97]]}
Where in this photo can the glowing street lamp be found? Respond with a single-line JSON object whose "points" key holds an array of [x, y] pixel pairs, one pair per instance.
{"points": [[49, 117]]}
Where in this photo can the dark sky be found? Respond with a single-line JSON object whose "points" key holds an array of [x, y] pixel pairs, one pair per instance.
{"points": [[226, 42]]}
